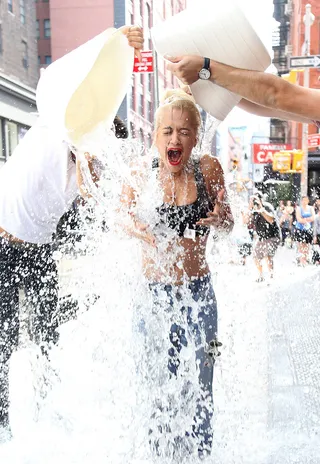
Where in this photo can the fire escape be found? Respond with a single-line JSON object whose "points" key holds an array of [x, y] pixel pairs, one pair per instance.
{"points": [[281, 49]]}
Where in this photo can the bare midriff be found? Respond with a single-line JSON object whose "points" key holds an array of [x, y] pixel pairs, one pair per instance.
{"points": [[6, 235], [182, 259]]}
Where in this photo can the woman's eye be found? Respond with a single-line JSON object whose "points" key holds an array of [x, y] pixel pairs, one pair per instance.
{"points": [[167, 133], [184, 133]]}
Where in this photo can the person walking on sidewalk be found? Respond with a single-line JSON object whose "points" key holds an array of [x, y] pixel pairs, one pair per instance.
{"points": [[268, 231], [304, 230]]}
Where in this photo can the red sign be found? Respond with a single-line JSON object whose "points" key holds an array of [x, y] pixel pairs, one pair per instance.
{"points": [[263, 152], [146, 63], [313, 140]]}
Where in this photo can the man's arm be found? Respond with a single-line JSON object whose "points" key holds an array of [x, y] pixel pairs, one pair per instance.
{"points": [[264, 89], [263, 111]]}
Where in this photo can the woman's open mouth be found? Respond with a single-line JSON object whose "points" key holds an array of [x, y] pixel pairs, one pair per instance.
{"points": [[174, 156]]}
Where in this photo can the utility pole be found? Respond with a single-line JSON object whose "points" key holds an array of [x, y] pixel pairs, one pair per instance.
{"points": [[308, 20]]}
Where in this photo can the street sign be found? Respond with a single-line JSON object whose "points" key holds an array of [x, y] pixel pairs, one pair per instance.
{"points": [[313, 140], [146, 63], [311, 61], [263, 152]]}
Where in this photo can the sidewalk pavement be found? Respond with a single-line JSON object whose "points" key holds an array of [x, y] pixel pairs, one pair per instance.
{"points": [[267, 381]]}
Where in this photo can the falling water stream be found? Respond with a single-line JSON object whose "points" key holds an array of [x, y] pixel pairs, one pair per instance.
{"points": [[93, 402]]}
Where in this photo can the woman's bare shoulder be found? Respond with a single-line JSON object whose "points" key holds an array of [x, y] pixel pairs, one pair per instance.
{"points": [[210, 166]]}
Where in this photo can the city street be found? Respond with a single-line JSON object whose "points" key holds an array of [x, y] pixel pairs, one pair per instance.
{"points": [[267, 379]]}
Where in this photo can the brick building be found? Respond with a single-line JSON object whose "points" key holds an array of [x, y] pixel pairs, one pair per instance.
{"points": [[63, 25], [290, 42], [18, 72], [297, 38]]}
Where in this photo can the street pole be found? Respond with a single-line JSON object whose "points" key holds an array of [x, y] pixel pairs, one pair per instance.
{"points": [[308, 21]]}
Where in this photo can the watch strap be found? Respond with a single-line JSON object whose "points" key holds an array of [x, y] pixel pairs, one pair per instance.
{"points": [[206, 64]]}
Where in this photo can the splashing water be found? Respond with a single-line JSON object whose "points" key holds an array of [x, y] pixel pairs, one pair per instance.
{"points": [[106, 395]]}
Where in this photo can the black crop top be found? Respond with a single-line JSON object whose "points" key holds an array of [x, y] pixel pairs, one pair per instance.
{"points": [[180, 218]]}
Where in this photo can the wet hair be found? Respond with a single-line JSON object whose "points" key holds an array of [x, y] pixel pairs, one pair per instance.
{"points": [[178, 98], [120, 128]]}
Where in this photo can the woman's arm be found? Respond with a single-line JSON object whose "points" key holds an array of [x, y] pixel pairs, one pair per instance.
{"points": [[221, 217], [299, 217], [312, 217], [79, 175], [130, 224]]}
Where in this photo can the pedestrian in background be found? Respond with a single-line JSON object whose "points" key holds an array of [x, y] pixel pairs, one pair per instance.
{"points": [[268, 231], [304, 230]]}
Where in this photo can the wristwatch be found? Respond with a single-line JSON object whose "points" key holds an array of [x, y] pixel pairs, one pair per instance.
{"points": [[205, 72]]}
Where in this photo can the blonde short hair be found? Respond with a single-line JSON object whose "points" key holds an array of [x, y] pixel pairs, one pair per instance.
{"points": [[178, 98]]}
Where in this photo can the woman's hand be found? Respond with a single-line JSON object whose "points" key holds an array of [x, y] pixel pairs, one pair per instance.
{"points": [[135, 38], [144, 234], [91, 160], [219, 217]]}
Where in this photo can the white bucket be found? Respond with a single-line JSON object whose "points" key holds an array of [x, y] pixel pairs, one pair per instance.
{"points": [[85, 88], [218, 30]]}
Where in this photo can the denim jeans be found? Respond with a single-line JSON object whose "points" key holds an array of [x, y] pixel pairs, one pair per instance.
{"points": [[32, 268], [191, 311]]}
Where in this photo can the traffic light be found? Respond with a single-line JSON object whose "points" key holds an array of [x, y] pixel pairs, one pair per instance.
{"points": [[288, 161]]}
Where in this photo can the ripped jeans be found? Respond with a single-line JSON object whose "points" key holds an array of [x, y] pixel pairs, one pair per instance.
{"points": [[188, 314]]}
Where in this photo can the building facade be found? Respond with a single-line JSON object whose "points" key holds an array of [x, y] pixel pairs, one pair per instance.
{"points": [[18, 72], [291, 42], [43, 32]]}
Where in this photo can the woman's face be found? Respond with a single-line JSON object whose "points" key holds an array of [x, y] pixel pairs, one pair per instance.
{"points": [[176, 137], [305, 201]]}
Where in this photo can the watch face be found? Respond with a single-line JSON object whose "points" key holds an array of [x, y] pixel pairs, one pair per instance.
{"points": [[204, 74]]}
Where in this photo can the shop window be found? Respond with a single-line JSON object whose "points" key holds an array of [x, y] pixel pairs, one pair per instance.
{"points": [[10, 6]]}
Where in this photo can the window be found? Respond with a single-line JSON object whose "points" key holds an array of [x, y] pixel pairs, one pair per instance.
{"points": [[25, 62], [132, 131], [2, 153], [149, 19], [149, 115], [1, 42], [22, 12], [12, 131], [37, 29], [10, 6], [47, 59], [141, 136], [132, 98], [47, 28], [141, 100], [141, 8], [39, 61]]}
